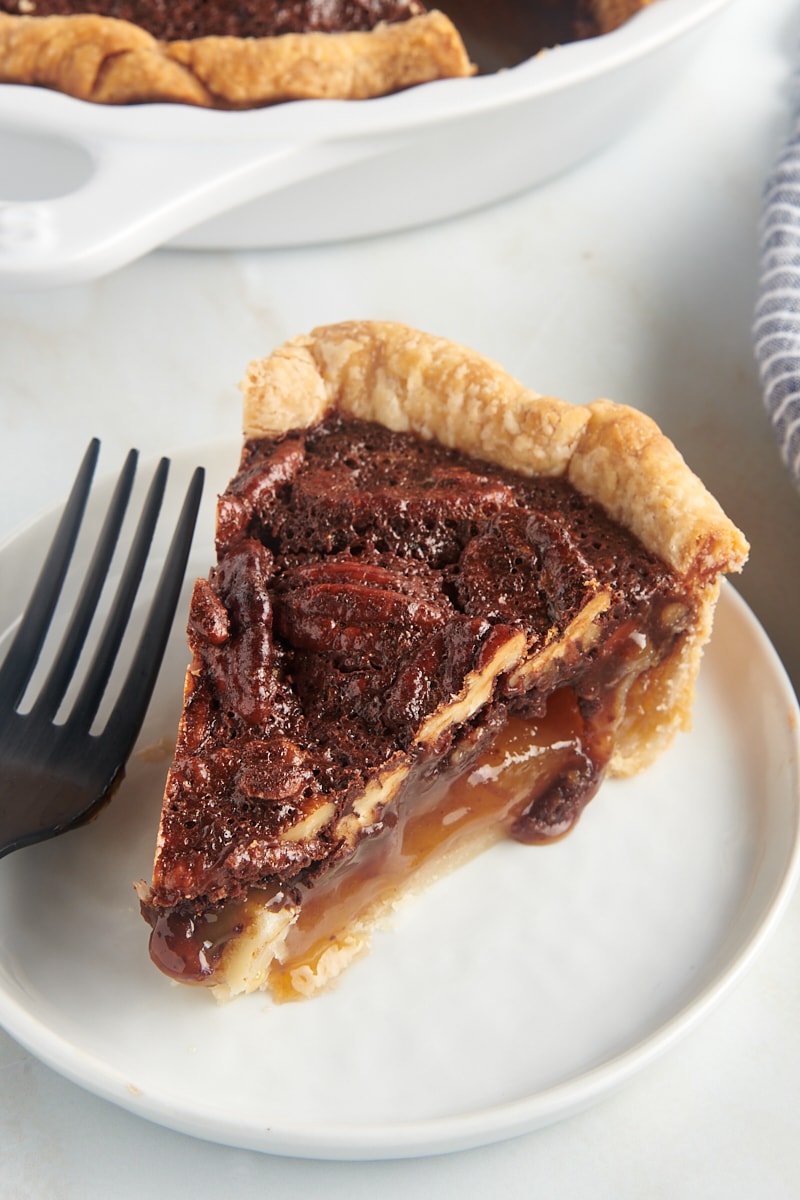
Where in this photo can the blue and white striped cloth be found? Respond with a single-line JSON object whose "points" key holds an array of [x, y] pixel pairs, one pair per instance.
{"points": [[776, 329]]}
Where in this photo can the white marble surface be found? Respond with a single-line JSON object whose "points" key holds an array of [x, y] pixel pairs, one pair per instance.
{"points": [[633, 276]]}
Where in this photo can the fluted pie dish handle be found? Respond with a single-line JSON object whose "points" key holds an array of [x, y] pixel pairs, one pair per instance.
{"points": [[138, 195]]}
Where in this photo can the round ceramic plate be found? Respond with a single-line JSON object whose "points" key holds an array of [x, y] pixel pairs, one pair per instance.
{"points": [[517, 991]]}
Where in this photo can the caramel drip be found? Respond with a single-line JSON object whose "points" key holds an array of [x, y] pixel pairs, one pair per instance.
{"points": [[531, 783]]}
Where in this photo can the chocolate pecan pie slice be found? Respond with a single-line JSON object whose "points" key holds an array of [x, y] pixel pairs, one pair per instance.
{"points": [[247, 53], [443, 608]]}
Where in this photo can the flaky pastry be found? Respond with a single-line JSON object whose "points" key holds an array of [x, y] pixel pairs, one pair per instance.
{"points": [[111, 61]]}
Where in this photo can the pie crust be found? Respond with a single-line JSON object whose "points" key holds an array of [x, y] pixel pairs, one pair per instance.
{"points": [[387, 377], [114, 61], [110, 61]]}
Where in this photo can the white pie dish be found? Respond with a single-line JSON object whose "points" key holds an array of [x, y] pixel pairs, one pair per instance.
{"points": [[86, 188]]}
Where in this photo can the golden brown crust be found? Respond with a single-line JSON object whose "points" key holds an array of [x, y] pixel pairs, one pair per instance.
{"points": [[409, 380], [109, 61]]}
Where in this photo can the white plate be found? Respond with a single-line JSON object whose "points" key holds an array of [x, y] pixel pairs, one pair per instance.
{"points": [[518, 991]]}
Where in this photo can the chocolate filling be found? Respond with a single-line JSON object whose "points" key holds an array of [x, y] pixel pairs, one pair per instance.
{"points": [[185, 19], [362, 576]]}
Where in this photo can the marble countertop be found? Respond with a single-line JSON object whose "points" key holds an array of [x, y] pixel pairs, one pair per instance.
{"points": [[632, 276]]}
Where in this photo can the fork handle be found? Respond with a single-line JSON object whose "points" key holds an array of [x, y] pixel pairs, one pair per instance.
{"points": [[23, 654]]}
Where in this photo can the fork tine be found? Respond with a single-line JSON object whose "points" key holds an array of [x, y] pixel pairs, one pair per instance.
{"points": [[54, 687], [135, 693], [93, 689], [26, 647]]}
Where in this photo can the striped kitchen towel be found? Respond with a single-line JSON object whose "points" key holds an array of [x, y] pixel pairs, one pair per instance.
{"points": [[776, 329]]}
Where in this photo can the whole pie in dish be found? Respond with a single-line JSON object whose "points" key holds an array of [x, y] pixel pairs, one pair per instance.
{"points": [[444, 608], [237, 54]]}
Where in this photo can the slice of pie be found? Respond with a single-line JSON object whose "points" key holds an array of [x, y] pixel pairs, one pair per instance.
{"points": [[235, 54], [443, 608]]}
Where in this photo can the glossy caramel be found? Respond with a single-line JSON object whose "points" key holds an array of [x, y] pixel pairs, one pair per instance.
{"points": [[448, 809]]}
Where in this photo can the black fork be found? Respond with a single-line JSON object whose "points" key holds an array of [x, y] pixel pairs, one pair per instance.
{"points": [[55, 775]]}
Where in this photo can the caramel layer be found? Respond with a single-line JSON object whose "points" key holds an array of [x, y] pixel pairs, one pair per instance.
{"points": [[531, 782]]}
